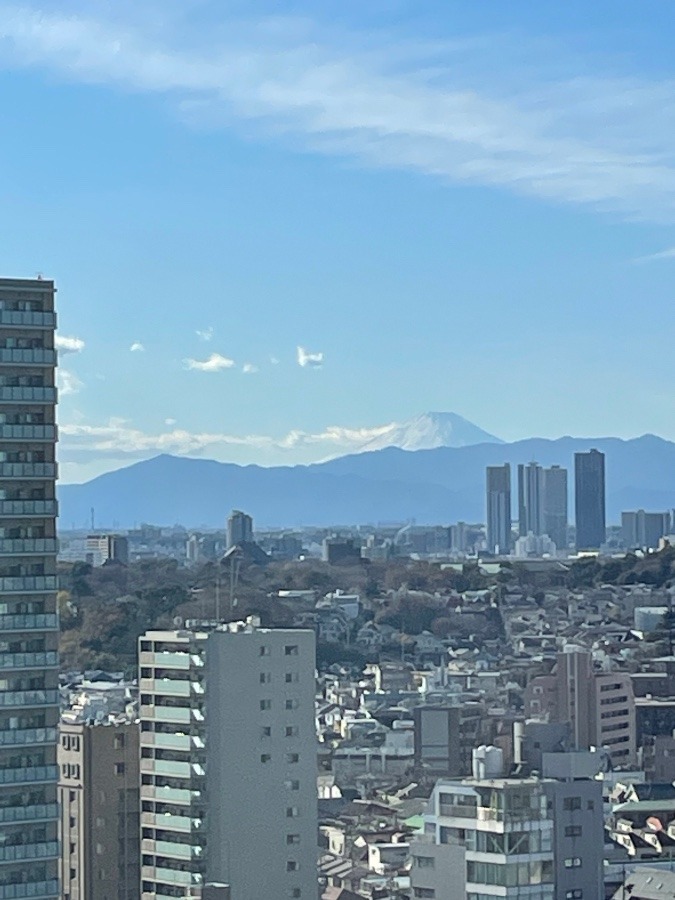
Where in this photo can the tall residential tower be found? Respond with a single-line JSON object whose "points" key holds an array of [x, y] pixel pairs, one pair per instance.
{"points": [[29, 697], [498, 496], [589, 496]]}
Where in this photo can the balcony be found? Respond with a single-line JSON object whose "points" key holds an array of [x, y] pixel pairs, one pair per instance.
{"points": [[28, 433], [179, 796], [460, 811], [35, 356], [34, 890], [29, 622], [28, 546], [31, 775], [28, 698], [172, 849], [177, 876], [166, 741], [40, 812], [167, 768], [165, 660], [26, 394], [45, 660], [23, 737], [168, 687], [24, 318], [28, 508], [29, 471], [166, 822], [29, 584], [177, 714], [32, 852]]}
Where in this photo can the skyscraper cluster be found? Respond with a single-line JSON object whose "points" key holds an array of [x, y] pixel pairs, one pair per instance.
{"points": [[543, 504]]}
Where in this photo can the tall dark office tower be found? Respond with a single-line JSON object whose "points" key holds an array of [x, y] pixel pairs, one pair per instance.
{"points": [[530, 499], [589, 497], [498, 484], [29, 696], [555, 506], [239, 529]]}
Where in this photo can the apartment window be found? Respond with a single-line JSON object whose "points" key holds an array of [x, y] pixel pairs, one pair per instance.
{"points": [[291, 649], [292, 678], [292, 731], [570, 803], [291, 812], [292, 865], [574, 894], [71, 796], [292, 758], [426, 893], [292, 785], [120, 768], [266, 731], [71, 822], [265, 677], [296, 892], [264, 650], [292, 704], [73, 874], [573, 831], [72, 848], [265, 704], [75, 743], [65, 742], [119, 742], [292, 839], [572, 862], [424, 862]]}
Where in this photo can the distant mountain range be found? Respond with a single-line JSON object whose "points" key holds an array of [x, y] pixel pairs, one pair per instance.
{"points": [[442, 485]]}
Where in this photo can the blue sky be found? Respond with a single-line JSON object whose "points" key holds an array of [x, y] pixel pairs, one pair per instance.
{"points": [[310, 219]]}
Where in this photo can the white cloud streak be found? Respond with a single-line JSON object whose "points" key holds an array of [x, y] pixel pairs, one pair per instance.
{"points": [[137, 347], [65, 344], [214, 363], [249, 369], [601, 141], [309, 360], [206, 334], [655, 257], [67, 382]]}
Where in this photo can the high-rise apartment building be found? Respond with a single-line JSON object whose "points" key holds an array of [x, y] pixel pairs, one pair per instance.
{"points": [[99, 805], [589, 498], [239, 529], [555, 506], [498, 491], [530, 499], [228, 762], [102, 548], [598, 705], [29, 698], [644, 530]]}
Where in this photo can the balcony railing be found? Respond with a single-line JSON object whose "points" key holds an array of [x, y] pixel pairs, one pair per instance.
{"points": [[24, 318], [21, 852], [29, 775], [28, 698], [29, 622], [42, 812], [45, 660], [28, 508], [21, 737], [34, 356], [28, 470], [27, 394], [25, 546], [27, 432], [29, 583], [32, 890]]}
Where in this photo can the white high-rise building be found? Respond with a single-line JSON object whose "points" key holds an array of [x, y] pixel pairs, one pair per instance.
{"points": [[228, 762]]}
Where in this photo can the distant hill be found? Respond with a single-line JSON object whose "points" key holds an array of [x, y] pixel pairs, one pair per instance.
{"points": [[430, 430], [431, 486]]}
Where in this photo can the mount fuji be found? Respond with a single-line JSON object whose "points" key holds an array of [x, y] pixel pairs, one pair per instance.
{"points": [[428, 431]]}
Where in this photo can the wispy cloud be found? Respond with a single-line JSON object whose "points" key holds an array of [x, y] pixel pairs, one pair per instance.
{"points": [[67, 382], [205, 334], [137, 347], [307, 359], [215, 363], [597, 140], [65, 344], [249, 369], [655, 257]]}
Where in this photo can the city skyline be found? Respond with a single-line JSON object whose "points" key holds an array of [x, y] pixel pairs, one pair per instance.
{"points": [[287, 185]]}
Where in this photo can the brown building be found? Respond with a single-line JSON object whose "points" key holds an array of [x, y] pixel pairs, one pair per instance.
{"points": [[99, 801], [599, 706]]}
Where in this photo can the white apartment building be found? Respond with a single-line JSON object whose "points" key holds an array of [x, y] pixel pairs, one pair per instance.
{"points": [[228, 762]]}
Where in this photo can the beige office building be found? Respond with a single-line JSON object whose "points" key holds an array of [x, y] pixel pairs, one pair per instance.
{"points": [[99, 806], [228, 762], [29, 698]]}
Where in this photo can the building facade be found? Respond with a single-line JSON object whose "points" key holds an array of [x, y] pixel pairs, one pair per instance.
{"points": [[556, 516], [589, 499], [643, 530], [29, 698], [228, 762], [530, 499], [498, 500], [99, 806], [239, 529]]}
